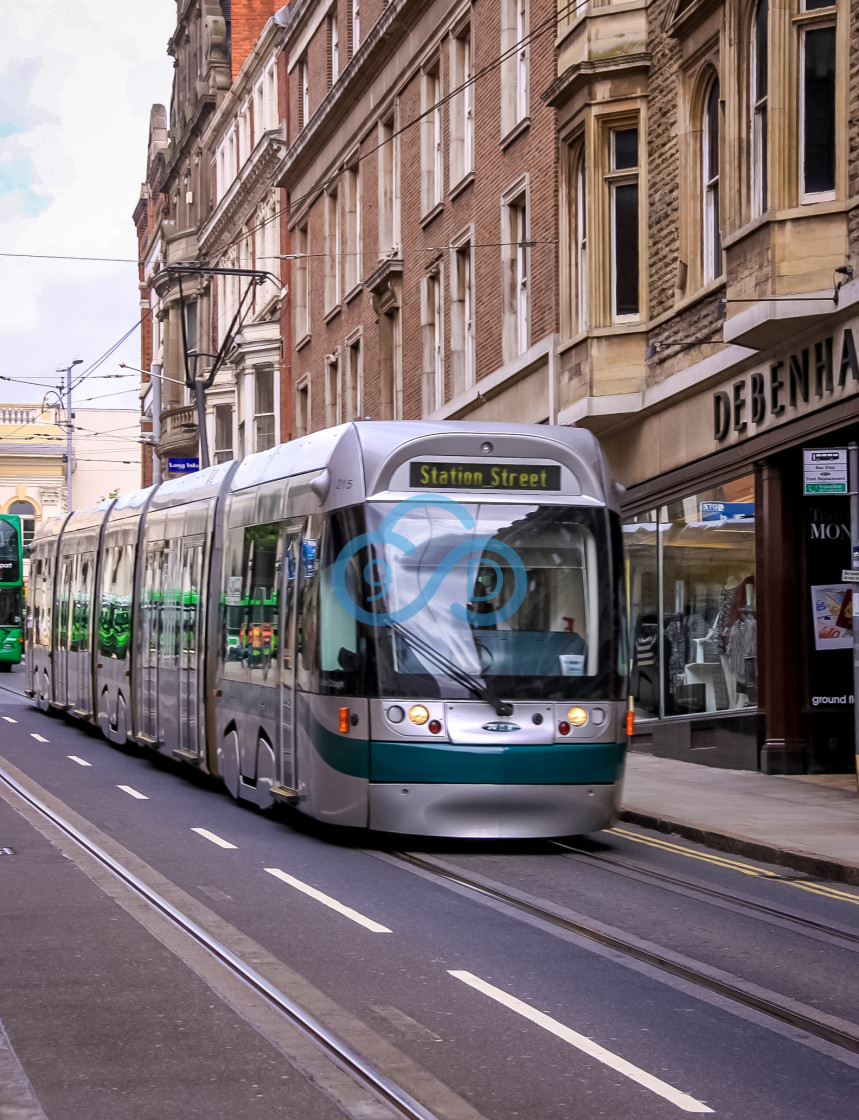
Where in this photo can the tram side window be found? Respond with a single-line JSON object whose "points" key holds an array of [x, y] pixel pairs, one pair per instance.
{"points": [[232, 608], [81, 596], [343, 650], [114, 630], [258, 615]]}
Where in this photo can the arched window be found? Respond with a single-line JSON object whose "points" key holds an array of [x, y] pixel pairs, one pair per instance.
{"points": [[27, 512], [758, 90], [712, 243]]}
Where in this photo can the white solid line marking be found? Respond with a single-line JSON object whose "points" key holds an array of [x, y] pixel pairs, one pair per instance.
{"points": [[33, 735], [586, 1045], [346, 911], [211, 836], [9, 719], [133, 793], [74, 757]]}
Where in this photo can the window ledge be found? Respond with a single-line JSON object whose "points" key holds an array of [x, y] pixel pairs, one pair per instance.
{"points": [[806, 210], [515, 132], [353, 292], [302, 342], [457, 189], [431, 215], [332, 313]]}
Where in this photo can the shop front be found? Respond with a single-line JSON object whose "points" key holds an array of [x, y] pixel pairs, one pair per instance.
{"points": [[740, 623]]}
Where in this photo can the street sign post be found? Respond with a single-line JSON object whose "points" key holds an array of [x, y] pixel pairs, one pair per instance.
{"points": [[824, 470]]}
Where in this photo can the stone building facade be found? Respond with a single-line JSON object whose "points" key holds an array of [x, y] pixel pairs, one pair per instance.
{"points": [[707, 334], [213, 43]]}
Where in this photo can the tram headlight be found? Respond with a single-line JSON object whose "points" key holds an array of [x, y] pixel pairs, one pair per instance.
{"points": [[578, 717], [418, 714], [395, 714]]}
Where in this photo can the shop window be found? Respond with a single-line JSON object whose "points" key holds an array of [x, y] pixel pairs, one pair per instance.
{"points": [[692, 601]]}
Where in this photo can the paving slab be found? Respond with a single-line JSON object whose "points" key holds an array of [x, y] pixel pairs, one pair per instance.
{"points": [[801, 822]]}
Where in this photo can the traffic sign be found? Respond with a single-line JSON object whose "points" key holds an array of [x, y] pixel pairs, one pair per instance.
{"points": [[182, 466], [824, 470]]}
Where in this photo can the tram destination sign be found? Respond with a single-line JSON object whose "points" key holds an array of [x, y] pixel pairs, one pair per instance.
{"points": [[484, 476]]}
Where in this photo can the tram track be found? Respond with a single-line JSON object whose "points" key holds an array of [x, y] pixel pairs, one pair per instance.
{"points": [[739, 903], [803, 1017], [401, 1103]]}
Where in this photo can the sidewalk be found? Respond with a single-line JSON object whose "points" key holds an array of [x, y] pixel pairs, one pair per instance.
{"points": [[806, 822]]}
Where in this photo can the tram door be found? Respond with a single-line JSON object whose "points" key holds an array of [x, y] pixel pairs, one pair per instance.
{"points": [[61, 646], [190, 647], [80, 681], [291, 554], [150, 639]]}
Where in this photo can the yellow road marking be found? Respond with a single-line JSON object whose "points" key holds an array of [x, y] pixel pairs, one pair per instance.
{"points": [[734, 865]]}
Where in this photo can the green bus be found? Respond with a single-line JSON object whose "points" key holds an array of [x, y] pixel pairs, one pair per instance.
{"points": [[11, 591]]}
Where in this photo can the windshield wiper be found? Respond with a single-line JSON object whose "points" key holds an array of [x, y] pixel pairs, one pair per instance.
{"points": [[456, 672]]}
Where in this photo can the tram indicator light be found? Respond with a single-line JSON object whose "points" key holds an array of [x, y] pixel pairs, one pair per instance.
{"points": [[344, 721], [484, 476]]}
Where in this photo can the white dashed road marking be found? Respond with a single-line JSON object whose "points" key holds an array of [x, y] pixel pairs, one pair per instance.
{"points": [[38, 738], [346, 911], [133, 793], [9, 719], [586, 1045], [211, 836], [79, 761]]}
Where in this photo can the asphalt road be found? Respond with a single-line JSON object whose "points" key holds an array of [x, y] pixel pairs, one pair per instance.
{"points": [[478, 1010]]}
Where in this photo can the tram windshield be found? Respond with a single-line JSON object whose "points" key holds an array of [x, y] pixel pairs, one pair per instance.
{"points": [[484, 599]]}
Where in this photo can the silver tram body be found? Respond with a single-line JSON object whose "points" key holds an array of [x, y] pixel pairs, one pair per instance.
{"points": [[399, 626]]}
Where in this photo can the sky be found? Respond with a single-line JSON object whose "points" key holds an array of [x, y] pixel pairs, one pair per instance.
{"points": [[77, 82]]}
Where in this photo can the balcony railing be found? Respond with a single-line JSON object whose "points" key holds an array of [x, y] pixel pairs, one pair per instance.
{"points": [[179, 429]]}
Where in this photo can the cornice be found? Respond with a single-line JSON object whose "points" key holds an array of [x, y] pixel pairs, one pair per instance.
{"points": [[245, 191], [566, 85]]}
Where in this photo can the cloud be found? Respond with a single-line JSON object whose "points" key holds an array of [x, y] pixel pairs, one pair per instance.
{"points": [[75, 96]]}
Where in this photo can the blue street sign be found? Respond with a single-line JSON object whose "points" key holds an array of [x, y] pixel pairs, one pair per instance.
{"points": [[182, 466]]}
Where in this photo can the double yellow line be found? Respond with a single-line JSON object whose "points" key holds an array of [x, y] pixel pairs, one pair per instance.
{"points": [[735, 865]]}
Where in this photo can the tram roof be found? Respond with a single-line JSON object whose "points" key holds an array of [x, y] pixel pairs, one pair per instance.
{"points": [[375, 442]]}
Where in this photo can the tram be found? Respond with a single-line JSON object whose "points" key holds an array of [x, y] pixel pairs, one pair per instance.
{"points": [[407, 627], [11, 592]]}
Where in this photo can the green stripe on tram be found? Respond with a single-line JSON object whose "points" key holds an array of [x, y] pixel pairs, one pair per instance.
{"points": [[457, 764]]}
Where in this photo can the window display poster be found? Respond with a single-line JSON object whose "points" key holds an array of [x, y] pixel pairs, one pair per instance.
{"points": [[832, 616]]}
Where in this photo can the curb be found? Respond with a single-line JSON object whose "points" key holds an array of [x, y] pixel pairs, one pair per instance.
{"points": [[817, 867]]}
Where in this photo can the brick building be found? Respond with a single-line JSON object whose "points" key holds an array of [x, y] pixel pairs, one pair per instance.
{"points": [[421, 178]]}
